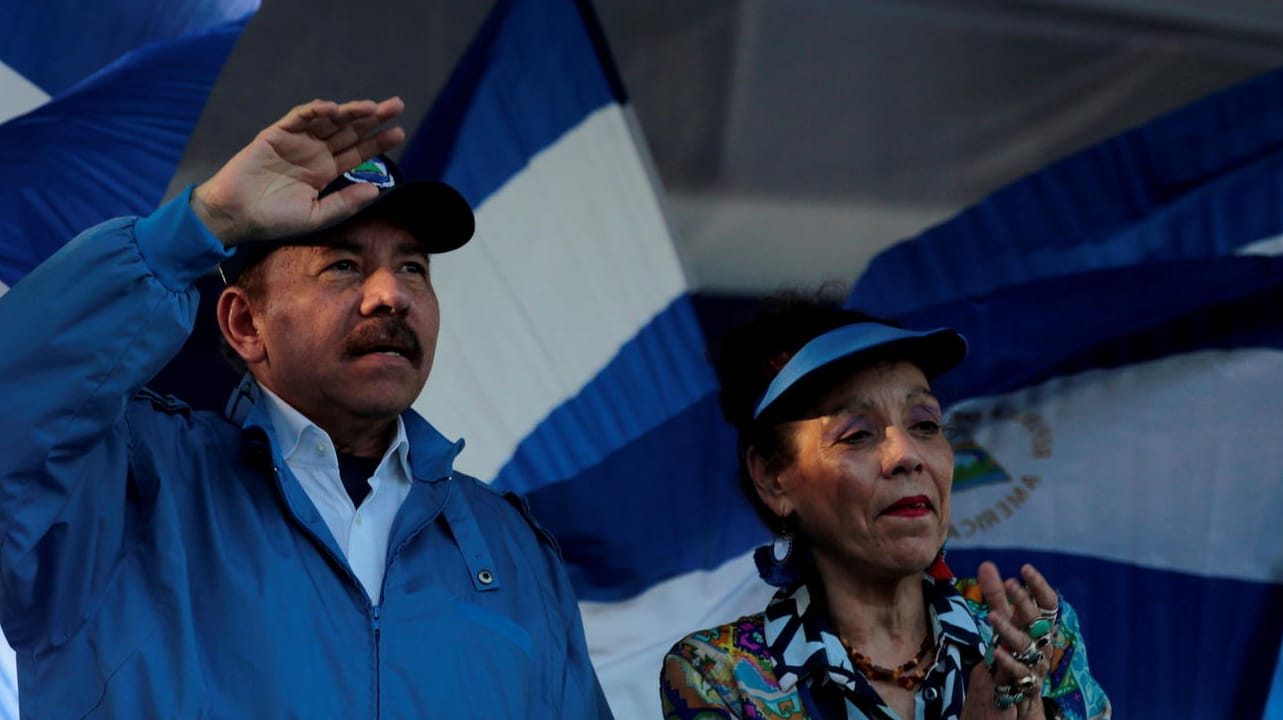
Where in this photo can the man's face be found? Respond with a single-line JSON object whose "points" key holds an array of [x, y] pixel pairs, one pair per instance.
{"points": [[348, 328]]}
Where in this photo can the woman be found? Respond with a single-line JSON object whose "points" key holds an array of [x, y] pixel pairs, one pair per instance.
{"points": [[843, 454]]}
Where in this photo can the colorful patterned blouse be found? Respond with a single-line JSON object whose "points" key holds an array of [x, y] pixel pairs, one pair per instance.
{"points": [[786, 662]]}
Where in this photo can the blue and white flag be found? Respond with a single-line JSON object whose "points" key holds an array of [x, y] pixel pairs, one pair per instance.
{"points": [[1116, 422], [97, 108], [570, 356]]}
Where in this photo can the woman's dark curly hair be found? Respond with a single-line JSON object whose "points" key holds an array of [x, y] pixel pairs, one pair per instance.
{"points": [[749, 357]]}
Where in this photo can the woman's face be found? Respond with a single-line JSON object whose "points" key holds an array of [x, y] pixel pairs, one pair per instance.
{"points": [[871, 475]]}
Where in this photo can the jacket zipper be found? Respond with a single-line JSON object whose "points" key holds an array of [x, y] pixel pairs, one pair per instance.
{"points": [[376, 624]]}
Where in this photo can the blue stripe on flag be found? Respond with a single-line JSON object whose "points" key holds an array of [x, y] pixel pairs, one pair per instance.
{"points": [[106, 149], [1274, 707], [55, 46], [1024, 334], [1199, 182], [655, 376], [521, 85], [657, 506], [665, 504], [1149, 632]]}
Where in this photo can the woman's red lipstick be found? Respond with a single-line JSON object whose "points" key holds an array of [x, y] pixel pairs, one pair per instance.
{"points": [[913, 506]]}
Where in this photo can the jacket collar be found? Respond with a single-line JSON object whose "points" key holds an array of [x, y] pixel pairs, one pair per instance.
{"points": [[431, 454]]}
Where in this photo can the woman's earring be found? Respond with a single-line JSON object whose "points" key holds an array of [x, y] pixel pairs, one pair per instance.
{"points": [[779, 562], [782, 547]]}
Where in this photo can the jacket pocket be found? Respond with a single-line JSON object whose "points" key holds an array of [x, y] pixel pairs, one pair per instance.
{"points": [[467, 661]]}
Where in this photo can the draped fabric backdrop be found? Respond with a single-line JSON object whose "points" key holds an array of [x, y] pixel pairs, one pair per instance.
{"points": [[1114, 423], [1117, 418]]}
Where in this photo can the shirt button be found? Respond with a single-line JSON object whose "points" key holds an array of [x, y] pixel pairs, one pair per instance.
{"points": [[930, 694], [358, 519], [320, 448], [486, 577]]}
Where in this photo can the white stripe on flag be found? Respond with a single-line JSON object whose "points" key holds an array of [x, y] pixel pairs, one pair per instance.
{"points": [[17, 95], [1158, 464], [1269, 246], [572, 257], [627, 640], [8, 682]]}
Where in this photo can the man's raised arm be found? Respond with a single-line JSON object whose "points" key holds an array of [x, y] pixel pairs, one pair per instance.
{"points": [[87, 329]]}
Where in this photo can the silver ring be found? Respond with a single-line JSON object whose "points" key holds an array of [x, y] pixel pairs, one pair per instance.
{"points": [[1027, 683], [1051, 614], [1004, 696], [1030, 656]]}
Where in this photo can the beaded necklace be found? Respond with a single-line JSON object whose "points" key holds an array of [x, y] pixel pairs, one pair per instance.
{"points": [[906, 676]]}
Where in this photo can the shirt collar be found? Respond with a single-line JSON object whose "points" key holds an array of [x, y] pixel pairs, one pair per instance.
{"points": [[433, 457], [801, 640], [294, 432]]}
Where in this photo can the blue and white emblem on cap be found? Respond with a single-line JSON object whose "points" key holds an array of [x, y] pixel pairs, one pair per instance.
{"points": [[373, 171]]}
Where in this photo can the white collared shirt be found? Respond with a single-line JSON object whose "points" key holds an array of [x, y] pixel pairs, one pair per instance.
{"points": [[361, 532]]}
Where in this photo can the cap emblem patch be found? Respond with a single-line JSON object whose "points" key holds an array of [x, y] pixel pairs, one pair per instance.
{"points": [[373, 171]]}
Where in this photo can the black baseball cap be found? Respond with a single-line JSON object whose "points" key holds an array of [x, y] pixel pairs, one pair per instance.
{"points": [[433, 212]]}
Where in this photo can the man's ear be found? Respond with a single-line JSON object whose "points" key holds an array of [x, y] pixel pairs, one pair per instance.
{"points": [[236, 320], [767, 483]]}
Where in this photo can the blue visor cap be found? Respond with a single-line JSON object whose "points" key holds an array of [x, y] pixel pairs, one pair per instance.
{"points": [[933, 351], [435, 213]]}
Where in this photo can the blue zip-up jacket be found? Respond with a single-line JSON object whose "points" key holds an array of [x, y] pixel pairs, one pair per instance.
{"points": [[160, 562]]}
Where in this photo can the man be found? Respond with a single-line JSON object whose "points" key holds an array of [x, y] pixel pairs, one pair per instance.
{"points": [[310, 555]]}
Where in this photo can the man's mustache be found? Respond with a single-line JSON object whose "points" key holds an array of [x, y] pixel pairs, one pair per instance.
{"points": [[384, 334]]}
